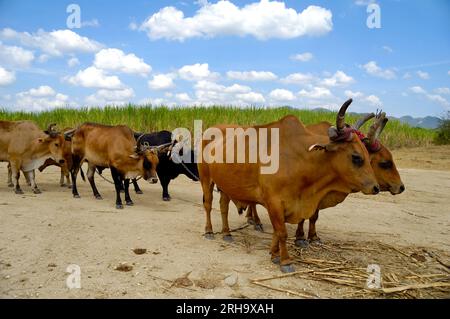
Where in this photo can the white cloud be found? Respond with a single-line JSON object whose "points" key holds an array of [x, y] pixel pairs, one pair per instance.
{"points": [[210, 93], [388, 49], [196, 72], [161, 82], [374, 100], [423, 75], [15, 56], [373, 69], [338, 79], [110, 97], [299, 78], [282, 95], [432, 97], [264, 20], [302, 57], [237, 88], [407, 75], [251, 75], [351, 94], [54, 43], [43, 90], [133, 26], [73, 62], [417, 89], [442, 90], [315, 93], [117, 60], [183, 97], [41, 99], [251, 97], [6, 77], [94, 78]]}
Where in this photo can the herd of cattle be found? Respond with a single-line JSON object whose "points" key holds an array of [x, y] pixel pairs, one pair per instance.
{"points": [[319, 165]]}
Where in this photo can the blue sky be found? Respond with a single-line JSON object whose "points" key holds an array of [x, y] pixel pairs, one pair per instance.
{"points": [[305, 54]]}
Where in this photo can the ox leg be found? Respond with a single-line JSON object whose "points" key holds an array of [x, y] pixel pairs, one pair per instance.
{"points": [[28, 178], [73, 175], [257, 222], [165, 186], [312, 235], [137, 190], [224, 205], [126, 184], [15, 172], [118, 184], [207, 204], [300, 240], [32, 178], [279, 248], [90, 176], [10, 182]]}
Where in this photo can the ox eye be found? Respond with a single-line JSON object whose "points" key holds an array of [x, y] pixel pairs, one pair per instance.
{"points": [[357, 160], [56, 144], [386, 164]]}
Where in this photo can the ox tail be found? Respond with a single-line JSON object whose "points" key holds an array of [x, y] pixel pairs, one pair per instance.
{"points": [[82, 174]]}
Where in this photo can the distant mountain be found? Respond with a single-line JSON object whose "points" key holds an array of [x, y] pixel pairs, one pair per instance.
{"points": [[430, 122]]}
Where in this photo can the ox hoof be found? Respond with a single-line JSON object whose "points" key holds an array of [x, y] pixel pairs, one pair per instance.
{"points": [[228, 238], [63, 185], [316, 241], [250, 221], [10, 185], [37, 191], [69, 186], [76, 196], [302, 243], [166, 199], [259, 227], [139, 192], [209, 236], [18, 191], [130, 203], [119, 206], [287, 268], [98, 196], [276, 260]]}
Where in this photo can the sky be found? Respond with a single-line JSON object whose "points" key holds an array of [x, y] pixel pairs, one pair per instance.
{"points": [[393, 55]]}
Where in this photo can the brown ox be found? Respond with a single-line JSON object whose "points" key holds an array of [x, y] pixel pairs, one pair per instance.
{"points": [[307, 171], [382, 164], [65, 167], [113, 147], [26, 147]]}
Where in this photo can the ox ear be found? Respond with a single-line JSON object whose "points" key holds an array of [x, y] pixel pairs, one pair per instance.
{"points": [[134, 156]]}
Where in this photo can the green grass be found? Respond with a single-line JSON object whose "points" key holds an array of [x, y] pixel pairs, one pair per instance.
{"points": [[151, 118]]}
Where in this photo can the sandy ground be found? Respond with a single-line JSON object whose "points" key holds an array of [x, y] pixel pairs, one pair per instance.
{"points": [[40, 235]]}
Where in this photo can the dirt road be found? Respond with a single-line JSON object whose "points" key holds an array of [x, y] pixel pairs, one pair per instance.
{"points": [[40, 235]]}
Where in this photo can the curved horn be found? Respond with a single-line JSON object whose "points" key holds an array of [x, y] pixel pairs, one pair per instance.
{"points": [[382, 125], [372, 134], [363, 120], [340, 118]]}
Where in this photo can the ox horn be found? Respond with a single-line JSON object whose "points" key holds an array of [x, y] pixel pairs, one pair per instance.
{"points": [[382, 125], [373, 133], [340, 118], [363, 120]]}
